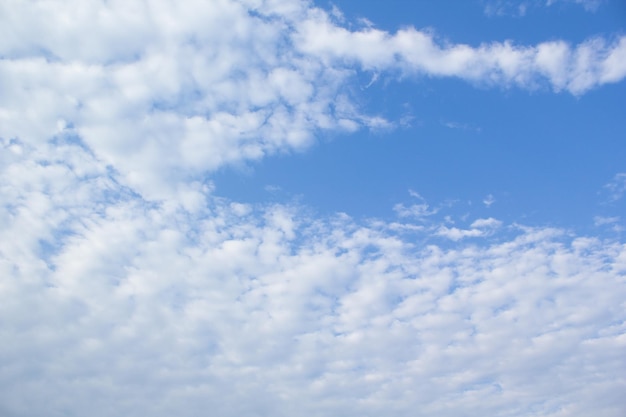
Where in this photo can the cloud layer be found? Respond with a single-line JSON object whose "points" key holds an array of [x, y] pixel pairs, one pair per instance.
{"points": [[121, 307], [129, 288]]}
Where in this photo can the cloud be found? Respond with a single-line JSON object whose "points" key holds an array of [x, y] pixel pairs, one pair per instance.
{"points": [[171, 95], [601, 220], [134, 307], [419, 211], [589, 5], [489, 200], [165, 94], [130, 288], [520, 8], [616, 187], [613, 222], [486, 223], [461, 126], [414, 210], [479, 228], [575, 69], [506, 8]]}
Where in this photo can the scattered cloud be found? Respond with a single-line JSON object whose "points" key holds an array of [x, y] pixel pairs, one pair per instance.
{"points": [[589, 5], [272, 188], [613, 223], [616, 187], [461, 126], [337, 13], [506, 8], [489, 223], [130, 288], [415, 194], [414, 210], [375, 77], [237, 81], [517, 8], [489, 200], [479, 228], [418, 211], [601, 220], [177, 308]]}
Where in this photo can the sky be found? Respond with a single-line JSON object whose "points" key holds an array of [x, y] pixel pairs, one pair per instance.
{"points": [[311, 208]]}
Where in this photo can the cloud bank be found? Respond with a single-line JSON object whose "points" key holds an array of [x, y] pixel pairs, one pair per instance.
{"points": [[116, 306], [128, 287]]}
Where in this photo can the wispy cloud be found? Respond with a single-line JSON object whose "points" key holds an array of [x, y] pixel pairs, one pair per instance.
{"points": [[420, 210], [616, 187], [414, 210], [479, 228], [461, 126], [506, 8], [519, 8], [589, 5], [602, 220], [613, 222]]}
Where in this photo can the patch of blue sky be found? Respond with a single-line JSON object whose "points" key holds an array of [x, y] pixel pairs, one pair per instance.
{"points": [[469, 21], [542, 157]]}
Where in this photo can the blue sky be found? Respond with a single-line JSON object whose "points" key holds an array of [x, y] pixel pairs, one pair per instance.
{"points": [[543, 157], [298, 209]]}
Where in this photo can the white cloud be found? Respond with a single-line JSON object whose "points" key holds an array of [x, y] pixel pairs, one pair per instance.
{"points": [[589, 5], [172, 94], [616, 187], [602, 220], [517, 8], [478, 228], [488, 223], [153, 308], [414, 210], [461, 126], [415, 194], [165, 94], [506, 8], [454, 233], [613, 222], [129, 288], [576, 69], [420, 210]]}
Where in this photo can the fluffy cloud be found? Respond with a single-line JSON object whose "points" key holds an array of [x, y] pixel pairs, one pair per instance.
{"points": [[129, 288], [576, 69], [113, 305], [163, 93]]}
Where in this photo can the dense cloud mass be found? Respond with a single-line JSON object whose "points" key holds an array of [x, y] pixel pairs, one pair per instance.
{"points": [[128, 287], [119, 306]]}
